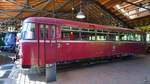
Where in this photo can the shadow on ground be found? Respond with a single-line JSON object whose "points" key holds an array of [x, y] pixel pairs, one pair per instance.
{"points": [[103, 62]]}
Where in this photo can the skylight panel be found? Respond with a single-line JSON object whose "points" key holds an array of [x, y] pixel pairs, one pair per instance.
{"points": [[132, 12]]}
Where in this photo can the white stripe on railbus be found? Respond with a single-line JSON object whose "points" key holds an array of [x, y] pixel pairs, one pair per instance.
{"points": [[63, 41]]}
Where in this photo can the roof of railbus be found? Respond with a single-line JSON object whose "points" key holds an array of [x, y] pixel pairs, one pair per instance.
{"points": [[76, 23]]}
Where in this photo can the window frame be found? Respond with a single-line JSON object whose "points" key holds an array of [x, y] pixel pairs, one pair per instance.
{"points": [[70, 29], [117, 34], [25, 30], [89, 30]]}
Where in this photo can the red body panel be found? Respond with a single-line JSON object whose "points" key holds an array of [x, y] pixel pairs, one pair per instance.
{"points": [[68, 51]]}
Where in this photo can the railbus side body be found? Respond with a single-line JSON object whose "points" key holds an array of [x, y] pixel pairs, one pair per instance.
{"points": [[58, 40]]}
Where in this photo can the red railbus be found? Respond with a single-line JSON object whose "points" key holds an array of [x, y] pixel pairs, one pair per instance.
{"points": [[51, 40]]}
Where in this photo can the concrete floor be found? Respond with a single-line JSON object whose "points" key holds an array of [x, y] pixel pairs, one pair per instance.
{"points": [[133, 70]]}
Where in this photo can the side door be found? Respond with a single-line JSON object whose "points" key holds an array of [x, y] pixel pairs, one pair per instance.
{"points": [[46, 44]]}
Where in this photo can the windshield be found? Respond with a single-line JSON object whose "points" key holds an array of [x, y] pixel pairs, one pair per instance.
{"points": [[28, 31]]}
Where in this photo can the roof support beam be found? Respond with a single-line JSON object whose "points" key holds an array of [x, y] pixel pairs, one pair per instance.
{"points": [[18, 2], [109, 12], [40, 9], [26, 3], [24, 10], [58, 8], [63, 5], [134, 8], [5, 14], [34, 1], [70, 9], [130, 4], [18, 13], [53, 10], [135, 4], [39, 3], [14, 3]]}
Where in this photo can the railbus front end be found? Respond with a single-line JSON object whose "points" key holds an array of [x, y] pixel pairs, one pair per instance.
{"points": [[38, 44]]}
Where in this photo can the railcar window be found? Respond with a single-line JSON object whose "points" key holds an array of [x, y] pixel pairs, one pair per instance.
{"points": [[91, 30], [65, 35], [84, 30], [117, 38], [25, 26], [143, 37], [87, 34], [69, 33], [53, 32], [70, 28], [32, 29], [74, 28], [138, 37], [46, 31], [110, 37], [113, 32], [131, 37], [99, 31], [148, 37], [42, 31], [92, 36], [101, 36], [28, 31], [123, 36], [113, 35], [74, 35], [65, 28]]}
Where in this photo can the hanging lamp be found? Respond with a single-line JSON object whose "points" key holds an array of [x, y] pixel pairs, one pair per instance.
{"points": [[80, 14]]}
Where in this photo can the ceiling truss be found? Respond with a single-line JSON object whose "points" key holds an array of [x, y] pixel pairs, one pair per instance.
{"points": [[96, 11]]}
